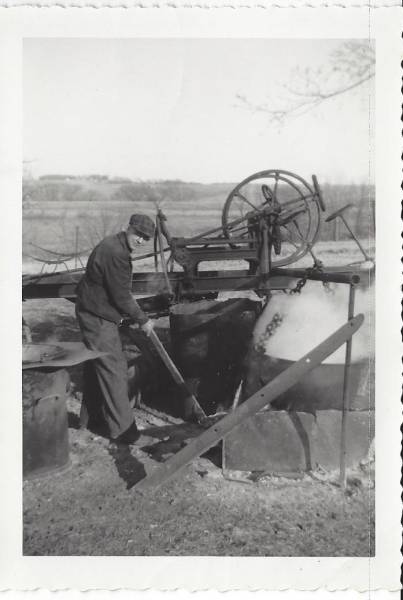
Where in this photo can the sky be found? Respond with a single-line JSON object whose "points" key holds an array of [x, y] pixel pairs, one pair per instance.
{"points": [[168, 109]]}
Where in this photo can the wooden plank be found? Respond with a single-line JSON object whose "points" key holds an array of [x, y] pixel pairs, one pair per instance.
{"points": [[256, 402]]}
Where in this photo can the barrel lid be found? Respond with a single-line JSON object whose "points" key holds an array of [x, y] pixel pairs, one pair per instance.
{"points": [[33, 353]]}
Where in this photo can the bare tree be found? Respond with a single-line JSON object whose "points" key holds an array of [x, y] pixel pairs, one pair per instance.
{"points": [[96, 226], [350, 66], [153, 192]]}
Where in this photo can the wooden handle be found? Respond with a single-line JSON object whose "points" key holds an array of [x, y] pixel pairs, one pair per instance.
{"points": [[177, 377]]}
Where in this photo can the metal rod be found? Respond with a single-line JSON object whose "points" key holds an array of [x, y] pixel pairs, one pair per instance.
{"points": [[346, 394], [242, 197], [332, 277], [215, 230], [58, 253], [149, 254], [354, 237], [213, 242]]}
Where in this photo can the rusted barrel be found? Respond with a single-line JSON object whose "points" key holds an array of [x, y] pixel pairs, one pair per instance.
{"points": [[209, 342], [321, 389], [45, 424]]}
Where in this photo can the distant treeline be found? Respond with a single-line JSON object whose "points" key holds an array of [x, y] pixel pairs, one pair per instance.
{"points": [[95, 177], [103, 179], [361, 215], [83, 190]]}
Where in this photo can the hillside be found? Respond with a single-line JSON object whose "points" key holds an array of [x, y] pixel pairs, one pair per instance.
{"points": [[55, 210]]}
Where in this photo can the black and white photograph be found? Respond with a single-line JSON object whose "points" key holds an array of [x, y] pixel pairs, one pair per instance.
{"points": [[198, 321], [208, 359]]}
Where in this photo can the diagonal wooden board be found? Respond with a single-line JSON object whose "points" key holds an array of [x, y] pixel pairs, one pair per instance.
{"points": [[153, 340], [252, 405], [177, 377]]}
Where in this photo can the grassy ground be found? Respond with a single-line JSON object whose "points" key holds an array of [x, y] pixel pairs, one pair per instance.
{"points": [[93, 509]]}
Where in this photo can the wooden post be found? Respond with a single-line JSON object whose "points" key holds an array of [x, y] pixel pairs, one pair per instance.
{"points": [[336, 230], [76, 247]]}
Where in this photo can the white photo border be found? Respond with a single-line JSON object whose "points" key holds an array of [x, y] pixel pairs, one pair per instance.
{"points": [[208, 573]]}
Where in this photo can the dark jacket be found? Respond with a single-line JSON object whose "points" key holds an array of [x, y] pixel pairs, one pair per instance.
{"points": [[105, 289]]}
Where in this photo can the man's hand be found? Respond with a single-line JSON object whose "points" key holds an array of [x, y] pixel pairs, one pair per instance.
{"points": [[148, 327]]}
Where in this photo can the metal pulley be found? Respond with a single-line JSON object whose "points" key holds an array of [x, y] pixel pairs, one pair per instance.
{"points": [[287, 203]]}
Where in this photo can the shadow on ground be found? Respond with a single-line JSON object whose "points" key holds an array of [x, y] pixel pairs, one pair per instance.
{"points": [[172, 438], [130, 469]]}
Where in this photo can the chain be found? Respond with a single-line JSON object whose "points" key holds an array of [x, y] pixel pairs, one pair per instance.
{"points": [[316, 268], [326, 284], [301, 282], [270, 330], [277, 319]]}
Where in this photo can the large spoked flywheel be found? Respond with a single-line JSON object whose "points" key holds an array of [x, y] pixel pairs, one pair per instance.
{"points": [[286, 202]]}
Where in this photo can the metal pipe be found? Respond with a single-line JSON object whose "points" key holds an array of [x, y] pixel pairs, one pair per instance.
{"points": [[332, 277], [346, 394], [265, 253]]}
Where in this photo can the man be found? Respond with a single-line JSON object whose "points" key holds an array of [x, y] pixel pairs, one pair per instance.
{"points": [[103, 299]]}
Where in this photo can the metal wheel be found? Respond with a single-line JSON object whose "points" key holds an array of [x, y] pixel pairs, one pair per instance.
{"points": [[297, 204]]}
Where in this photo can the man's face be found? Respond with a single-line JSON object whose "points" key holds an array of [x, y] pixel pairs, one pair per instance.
{"points": [[134, 239], [138, 239]]}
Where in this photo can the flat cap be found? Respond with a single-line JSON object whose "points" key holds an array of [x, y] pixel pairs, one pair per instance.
{"points": [[143, 225]]}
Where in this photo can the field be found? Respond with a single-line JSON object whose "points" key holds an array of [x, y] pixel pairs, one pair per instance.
{"points": [[54, 215], [92, 508]]}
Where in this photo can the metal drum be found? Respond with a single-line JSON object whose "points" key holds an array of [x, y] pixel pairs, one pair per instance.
{"points": [[209, 343], [45, 424], [321, 389]]}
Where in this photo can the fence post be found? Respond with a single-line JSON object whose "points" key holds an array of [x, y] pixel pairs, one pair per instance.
{"points": [[76, 247], [336, 233]]}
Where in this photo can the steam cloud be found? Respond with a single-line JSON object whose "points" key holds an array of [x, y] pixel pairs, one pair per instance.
{"points": [[308, 318]]}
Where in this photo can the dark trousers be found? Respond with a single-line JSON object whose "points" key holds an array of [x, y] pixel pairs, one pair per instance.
{"points": [[105, 393]]}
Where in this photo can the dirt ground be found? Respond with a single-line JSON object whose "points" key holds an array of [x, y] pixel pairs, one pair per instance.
{"points": [[92, 507]]}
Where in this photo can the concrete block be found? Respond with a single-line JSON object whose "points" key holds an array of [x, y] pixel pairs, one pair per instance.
{"points": [[326, 432], [272, 441], [285, 442]]}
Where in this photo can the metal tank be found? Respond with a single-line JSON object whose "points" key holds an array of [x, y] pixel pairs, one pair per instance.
{"points": [[45, 423]]}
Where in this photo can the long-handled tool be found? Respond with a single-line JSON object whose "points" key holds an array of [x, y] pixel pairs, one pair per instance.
{"points": [[252, 405], [339, 214], [197, 410]]}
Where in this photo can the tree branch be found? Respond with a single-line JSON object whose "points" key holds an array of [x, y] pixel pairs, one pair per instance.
{"points": [[352, 59]]}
